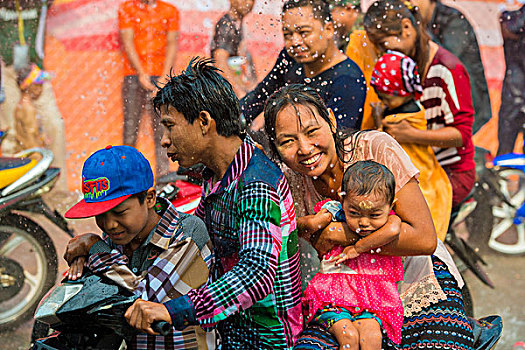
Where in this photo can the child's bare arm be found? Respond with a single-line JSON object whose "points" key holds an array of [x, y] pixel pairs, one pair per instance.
{"points": [[386, 234], [308, 226], [336, 233]]}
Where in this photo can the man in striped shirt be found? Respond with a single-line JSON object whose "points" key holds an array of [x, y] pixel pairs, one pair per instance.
{"points": [[253, 297]]}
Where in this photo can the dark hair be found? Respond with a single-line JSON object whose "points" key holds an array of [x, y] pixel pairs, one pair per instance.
{"points": [[141, 196], [366, 177], [320, 8], [22, 73], [299, 95], [383, 18], [200, 87]]}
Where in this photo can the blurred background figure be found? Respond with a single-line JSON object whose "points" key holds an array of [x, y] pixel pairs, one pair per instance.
{"points": [[229, 50], [449, 28], [148, 33], [512, 111], [22, 32], [347, 17], [311, 57], [28, 124]]}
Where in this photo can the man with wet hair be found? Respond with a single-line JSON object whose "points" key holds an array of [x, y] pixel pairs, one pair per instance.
{"points": [[311, 57], [253, 296]]}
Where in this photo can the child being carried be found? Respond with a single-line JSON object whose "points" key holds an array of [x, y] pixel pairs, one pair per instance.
{"points": [[354, 295]]}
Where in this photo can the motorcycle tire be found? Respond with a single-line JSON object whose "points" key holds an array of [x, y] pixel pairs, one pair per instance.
{"points": [[21, 238], [507, 237]]}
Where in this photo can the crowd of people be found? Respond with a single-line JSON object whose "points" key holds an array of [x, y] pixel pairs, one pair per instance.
{"points": [[327, 188]]}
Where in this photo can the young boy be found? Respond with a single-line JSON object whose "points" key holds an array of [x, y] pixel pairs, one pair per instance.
{"points": [[28, 130], [147, 246]]}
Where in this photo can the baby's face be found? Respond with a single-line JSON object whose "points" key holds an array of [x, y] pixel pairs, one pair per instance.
{"points": [[365, 214], [35, 91], [392, 101]]}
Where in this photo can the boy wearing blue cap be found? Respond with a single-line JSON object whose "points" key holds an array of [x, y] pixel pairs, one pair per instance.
{"points": [[144, 238]]}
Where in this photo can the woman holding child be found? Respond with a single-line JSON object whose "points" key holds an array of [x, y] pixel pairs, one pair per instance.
{"points": [[447, 99], [303, 135]]}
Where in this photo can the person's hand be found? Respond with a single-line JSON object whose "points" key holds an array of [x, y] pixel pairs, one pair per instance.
{"points": [[145, 82], [80, 246], [76, 268], [401, 132], [378, 109], [348, 253], [335, 233], [310, 224], [142, 314]]}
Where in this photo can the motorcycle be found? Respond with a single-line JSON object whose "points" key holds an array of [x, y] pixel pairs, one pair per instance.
{"points": [[88, 314], [28, 259], [499, 219], [182, 188]]}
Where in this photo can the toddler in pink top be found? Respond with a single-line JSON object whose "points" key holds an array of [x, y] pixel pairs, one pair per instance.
{"points": [[355, 295]]}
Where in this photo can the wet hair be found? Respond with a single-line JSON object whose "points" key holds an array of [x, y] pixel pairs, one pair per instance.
{"points": [[320, 8], [296, 95], [200, 87], [383, 18], [368, 177], [141, 196], [22, 73]]}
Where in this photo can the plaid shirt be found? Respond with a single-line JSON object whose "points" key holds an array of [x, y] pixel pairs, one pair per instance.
{"points": [[255, 284], [167, 265]]}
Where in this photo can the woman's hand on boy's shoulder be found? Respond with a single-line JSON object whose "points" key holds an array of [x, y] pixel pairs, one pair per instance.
{"points": [[79, 246]]}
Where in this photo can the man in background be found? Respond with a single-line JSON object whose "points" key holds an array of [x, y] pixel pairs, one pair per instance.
{"points": [[148, 32], [22, 29], [228, 50], [512, 111]]}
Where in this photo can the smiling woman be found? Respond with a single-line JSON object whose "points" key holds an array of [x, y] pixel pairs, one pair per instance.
{"points": [[304, 136]]}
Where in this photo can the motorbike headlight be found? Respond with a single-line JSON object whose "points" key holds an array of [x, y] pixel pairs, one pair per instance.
{"points": [[53, 301]]}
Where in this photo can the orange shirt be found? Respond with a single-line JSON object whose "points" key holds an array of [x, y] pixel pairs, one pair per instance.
{"points": [[150, 24], [361, 50]]}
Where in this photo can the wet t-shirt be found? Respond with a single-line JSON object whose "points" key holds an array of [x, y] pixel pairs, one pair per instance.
{"points": [[342, 87]]}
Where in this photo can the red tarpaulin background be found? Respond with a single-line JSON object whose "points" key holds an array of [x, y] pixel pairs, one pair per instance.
{"points": [[82, 50]]}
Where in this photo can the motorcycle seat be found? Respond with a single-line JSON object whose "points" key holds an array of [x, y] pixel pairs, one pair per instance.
{"points": [[11, 169]]}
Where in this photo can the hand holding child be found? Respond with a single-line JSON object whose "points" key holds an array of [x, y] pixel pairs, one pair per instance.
{"points": [[402, 132]]}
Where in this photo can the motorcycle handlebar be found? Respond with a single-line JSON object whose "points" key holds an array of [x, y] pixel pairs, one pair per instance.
{"points": [[162, 327]]}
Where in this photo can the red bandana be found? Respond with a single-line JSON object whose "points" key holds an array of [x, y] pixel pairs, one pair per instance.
{"points": [[396, 74]]}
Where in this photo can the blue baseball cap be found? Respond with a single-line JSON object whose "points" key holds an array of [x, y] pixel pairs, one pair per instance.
{"points": [[109, 177]]}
